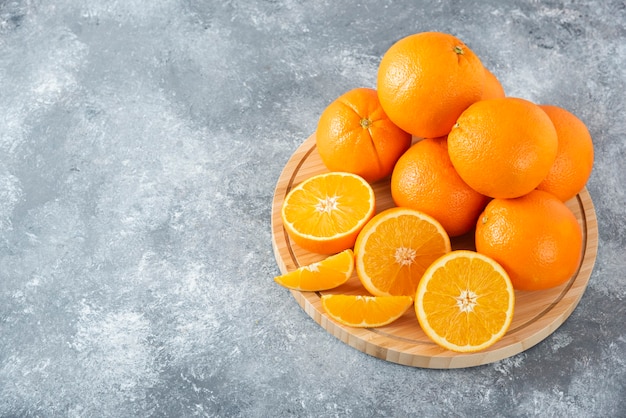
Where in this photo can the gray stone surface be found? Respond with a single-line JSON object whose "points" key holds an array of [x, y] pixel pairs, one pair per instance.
{"points": [[140, 142]]}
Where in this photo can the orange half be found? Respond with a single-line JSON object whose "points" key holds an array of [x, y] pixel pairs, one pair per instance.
{"points": [[325, 213], [395, 248], [465, 301]]}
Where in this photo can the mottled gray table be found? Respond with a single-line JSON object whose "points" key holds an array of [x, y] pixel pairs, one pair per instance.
{"points": [[140, 142]]}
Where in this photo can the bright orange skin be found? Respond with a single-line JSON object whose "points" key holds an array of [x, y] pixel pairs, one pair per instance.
{"points": [[355, 135], [425, 180], [426, 80], [493, 89], [536, 238], [503, 147], [574, 159]]}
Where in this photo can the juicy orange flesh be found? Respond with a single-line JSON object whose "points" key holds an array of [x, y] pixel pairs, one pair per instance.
{"points": [[466, 302], [396, 259], [332, 206], [368, 311], [323, 275]]}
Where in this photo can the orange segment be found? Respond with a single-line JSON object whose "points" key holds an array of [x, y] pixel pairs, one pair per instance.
{"points": [[365, 311], [465, 301], [394, 249], [323, 275], [325, 213]]}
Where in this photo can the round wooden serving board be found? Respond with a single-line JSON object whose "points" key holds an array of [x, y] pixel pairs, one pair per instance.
{"points": [[537, 314]]}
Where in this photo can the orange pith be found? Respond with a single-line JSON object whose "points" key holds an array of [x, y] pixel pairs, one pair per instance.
{"points": [[325, 213], [394, 249], [365, 311], [327, 274], [465, 301]]}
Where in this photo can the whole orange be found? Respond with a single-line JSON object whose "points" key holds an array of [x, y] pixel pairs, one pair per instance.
{"points": [[426, 80], [425, 180], [493, 88], [355, 135], [574, 157], [536, 238], [503, 147]]}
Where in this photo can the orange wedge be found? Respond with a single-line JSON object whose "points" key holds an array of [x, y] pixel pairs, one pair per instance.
{"points": [[465, 301], [325, 213], [365, 311], [327, 274], [394, 249]]}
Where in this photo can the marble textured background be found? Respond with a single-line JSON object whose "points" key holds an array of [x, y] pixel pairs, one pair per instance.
{"points": [[140, 142]]}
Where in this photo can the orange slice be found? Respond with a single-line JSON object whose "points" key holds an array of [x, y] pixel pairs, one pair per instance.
{"points": [[365, 311], [395, 248], [325, 213], [327, 274], [465, 301]]}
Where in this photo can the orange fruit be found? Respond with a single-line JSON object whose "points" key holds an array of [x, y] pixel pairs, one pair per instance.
{"points": [[355, 135], [503, 147], [394, 249], [536, 238], [465, 301], [425, 180], [426, 80], [493, 89], [365, 311], [325, 213], [329, 273], [574, 158]]}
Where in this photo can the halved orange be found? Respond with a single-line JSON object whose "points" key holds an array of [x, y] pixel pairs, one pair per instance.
{"points": [[465, 301], [325, 213], [394, 249], [365, 311], [329, 273]]}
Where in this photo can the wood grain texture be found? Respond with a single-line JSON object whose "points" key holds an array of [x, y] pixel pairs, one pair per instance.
{"points": [[537, 314]]}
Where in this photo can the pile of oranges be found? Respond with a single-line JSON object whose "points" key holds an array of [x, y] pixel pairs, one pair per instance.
{"points": [[460, 158]]}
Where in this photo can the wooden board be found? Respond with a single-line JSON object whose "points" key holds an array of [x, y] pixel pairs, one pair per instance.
{"points": [[537, 314]]}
